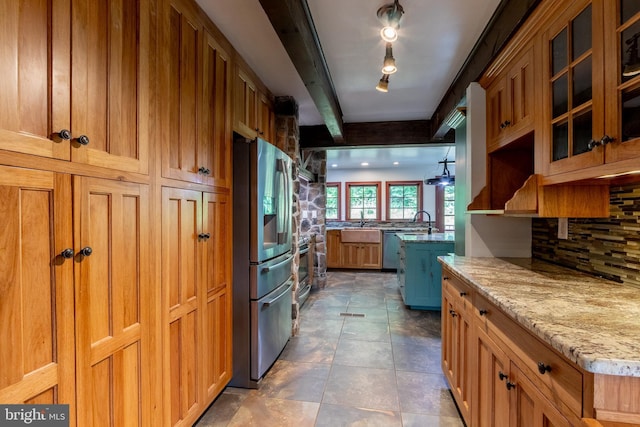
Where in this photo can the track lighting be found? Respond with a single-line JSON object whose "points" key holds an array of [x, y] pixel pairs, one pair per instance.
{"points": [[389, 65], [383, 84], [390, 16]]}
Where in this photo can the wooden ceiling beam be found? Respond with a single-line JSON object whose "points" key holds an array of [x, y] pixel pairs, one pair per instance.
{"points": [[411, 132], [292, 21]]}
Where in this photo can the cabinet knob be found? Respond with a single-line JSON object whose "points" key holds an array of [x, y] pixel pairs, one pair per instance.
{"points": [[542, 368], [67, 253], [204, 236], [502, 376], [445, 278], [603, 141], [510, 385], [453, 313], [482, 312], [204, 171], [462, 294], [83, 140], [65, 134], [86, 251]]}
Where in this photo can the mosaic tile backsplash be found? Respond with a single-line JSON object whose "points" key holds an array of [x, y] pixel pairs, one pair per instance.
{"points": [[606, 247]]}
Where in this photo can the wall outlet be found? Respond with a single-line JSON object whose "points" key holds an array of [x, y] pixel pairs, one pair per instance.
{"points": [[304, 214], [563, 228], [314, 214]]}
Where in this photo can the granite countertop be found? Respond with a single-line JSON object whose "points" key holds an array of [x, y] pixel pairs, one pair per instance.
{"points": [[593, 322], [425, 238]]}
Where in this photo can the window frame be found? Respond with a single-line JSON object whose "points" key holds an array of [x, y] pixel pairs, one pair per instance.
{"points": [[348, 186], [439, 220], [338, 185], [403, 183]]}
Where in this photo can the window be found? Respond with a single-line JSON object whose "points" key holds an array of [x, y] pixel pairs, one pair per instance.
{"points": [[404, 199], [445, 207], [363, 200], [333, 201]]}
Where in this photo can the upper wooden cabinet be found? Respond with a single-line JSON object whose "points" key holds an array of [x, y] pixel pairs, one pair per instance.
{"points": [[92, 107], [253, 107], [591, 91], [510, 102], [196, 111]]}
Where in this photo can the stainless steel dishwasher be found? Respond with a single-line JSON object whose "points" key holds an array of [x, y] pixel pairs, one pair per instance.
{"points": [[390, 250]]}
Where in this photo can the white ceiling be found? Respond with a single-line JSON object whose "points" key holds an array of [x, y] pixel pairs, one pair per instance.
{"points": [[436, 36]]}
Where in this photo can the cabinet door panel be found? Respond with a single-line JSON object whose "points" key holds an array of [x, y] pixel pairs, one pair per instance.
{"points": [[35, 84], [217, 282], [491, 406], [246, 101], [36, 288], [110, 86], [181, 77], [215, 142], [182, 304], [112, 286]]}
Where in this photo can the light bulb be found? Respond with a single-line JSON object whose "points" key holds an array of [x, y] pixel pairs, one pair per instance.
{"points": [[389, 34]]}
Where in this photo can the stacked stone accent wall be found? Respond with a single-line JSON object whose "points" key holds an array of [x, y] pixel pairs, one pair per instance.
{"points": [[607, 247]]}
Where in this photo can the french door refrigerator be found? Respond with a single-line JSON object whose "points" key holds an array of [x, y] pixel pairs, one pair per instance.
{"points": [[262, 258]]}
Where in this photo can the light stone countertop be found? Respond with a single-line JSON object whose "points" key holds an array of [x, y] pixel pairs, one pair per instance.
{"points": [[593, 322]]}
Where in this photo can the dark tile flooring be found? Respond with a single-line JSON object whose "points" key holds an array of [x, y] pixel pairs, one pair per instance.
{"points": [[378, 365]]}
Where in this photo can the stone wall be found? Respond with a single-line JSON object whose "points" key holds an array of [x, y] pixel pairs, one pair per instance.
{"points": [[607, 247], [313, 209]]}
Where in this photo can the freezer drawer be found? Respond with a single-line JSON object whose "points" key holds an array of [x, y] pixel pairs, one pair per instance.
{"points": [[269, 275], [270, 328]]}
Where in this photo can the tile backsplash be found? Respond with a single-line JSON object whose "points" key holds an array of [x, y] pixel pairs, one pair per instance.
{"points": [[607, 247]]}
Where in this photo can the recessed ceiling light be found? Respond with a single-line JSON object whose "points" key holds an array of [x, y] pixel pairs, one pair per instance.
{"points": [[396, 163], [334, 165], [364, 164]]}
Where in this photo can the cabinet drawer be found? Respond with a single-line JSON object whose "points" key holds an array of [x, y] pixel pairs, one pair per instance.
{"points": [[558, 378], [460, 292]]}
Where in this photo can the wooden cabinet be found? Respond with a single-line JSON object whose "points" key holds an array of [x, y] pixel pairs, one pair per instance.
{"points": [[591, 125], [77, 289], [361, 255], [457, 342], [196, 125], [510, 102], [112, 286], [37, 302], [499, 373], [420, 273], [197, 301], [334, 249], [254, 116], [92, 107]]}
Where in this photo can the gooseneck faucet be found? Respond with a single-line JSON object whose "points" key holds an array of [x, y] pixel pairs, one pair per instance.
{"points": [[415, 218]]}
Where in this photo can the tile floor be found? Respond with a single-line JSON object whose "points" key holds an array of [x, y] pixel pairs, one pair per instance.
{"points": [[378, 366]]}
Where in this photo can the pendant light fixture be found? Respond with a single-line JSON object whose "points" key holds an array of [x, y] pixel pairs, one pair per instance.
{"points": [[389, 65], [383, 84], [445, 178]]}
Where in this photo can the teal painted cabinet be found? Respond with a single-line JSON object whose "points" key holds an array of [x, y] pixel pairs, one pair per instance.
{"points": [[420, 273]]}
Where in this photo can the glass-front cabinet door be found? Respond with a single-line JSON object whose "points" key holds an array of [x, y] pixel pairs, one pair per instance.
{"points": [[574, 89], [622, 29]]}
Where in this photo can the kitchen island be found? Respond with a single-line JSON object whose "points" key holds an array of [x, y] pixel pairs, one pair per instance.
{"points": [[419, 272], [567, 341]]}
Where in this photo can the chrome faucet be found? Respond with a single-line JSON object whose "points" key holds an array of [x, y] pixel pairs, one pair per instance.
{"points": [[415, 218], [362, 223]]}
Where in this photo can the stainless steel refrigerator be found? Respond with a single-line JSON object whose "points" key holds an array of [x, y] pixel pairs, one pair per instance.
{"points": [[262, 258]]}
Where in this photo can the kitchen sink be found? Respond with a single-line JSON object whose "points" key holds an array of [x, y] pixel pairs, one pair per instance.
{"points": [[360, 235]]}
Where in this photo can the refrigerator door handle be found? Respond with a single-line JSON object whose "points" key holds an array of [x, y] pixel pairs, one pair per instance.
{"points": [[282, 294], [268, 269]]}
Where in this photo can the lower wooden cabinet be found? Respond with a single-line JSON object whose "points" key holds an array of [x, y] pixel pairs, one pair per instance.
{"points": [[334, 249], [499, 374], [197, 301], [357, 255]]}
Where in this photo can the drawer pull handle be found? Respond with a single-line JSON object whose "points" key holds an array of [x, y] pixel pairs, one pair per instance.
{"points": [[204, 236], [463, 294], [482, 312], [542, 368], [502, 376], [445, 278], [452, 313], [510, 385]]}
